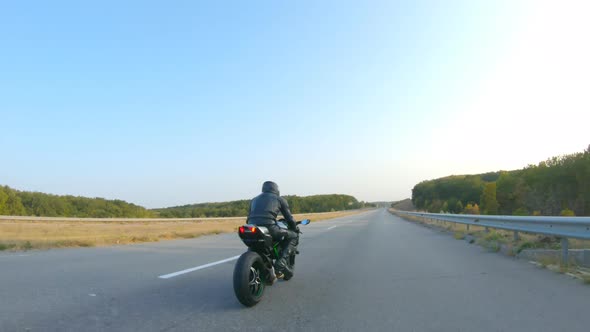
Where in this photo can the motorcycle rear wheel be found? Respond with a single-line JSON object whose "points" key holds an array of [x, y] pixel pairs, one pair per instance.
{"points": [[249, 283]]}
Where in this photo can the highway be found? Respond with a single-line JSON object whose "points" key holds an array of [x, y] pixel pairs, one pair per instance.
{"points": [[372, 271]]}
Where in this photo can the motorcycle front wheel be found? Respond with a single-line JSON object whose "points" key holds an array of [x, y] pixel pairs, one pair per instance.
{"points": [[249, 280]]}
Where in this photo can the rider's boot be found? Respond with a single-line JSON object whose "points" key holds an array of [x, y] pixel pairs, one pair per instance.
{"points": [[272, 277], [282, 264]]}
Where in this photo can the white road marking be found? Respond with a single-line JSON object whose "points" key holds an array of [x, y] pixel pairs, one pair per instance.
{"points": [[9, 255], [175, 274], [329, 228]]}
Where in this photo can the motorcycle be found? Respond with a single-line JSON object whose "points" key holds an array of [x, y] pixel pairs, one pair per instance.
{"points": [[254, 270]]}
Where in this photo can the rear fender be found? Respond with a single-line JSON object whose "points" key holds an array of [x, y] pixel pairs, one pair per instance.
{"points": [[255, 236]]}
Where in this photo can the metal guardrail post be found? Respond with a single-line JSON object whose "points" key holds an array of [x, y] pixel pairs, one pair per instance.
{"points": [[467, 227], [487, 230], [516, 237], [564, 251]]}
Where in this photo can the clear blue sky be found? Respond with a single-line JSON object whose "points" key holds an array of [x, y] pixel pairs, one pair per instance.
{"points": [[173, 102]]}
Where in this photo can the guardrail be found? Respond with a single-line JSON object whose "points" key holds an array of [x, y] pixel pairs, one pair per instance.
{"points": [[564, 227]]}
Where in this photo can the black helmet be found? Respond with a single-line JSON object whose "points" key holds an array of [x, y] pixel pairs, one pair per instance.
{"points": [[270, 187]]}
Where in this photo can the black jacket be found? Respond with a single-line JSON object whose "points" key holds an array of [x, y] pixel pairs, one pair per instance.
{"points": [[265, 207]]}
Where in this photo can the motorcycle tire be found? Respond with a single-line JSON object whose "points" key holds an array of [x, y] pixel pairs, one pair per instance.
{"points": [[292, 267], [249, 283]]}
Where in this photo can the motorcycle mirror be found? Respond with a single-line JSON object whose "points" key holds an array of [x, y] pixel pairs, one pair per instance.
{"points": [[305, 221]]}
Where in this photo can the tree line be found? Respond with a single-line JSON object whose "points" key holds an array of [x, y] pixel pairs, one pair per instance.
{"points": [[557, 186], [23, 203], [297, 204], [403, 205]]}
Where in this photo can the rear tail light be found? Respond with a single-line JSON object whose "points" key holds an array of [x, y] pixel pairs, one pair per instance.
{"points": [[247, 229]]}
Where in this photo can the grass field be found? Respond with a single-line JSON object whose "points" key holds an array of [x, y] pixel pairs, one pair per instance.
{"points": [[31, 233]]}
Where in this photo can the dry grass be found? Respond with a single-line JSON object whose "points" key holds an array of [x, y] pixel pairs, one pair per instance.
{"points": [[31, 234], [459, 235], [546, 261]]}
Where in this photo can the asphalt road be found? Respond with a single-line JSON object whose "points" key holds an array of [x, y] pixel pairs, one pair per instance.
{"points": [[372, 272]]}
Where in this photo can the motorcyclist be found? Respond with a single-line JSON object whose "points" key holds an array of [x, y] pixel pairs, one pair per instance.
{"points": [[264, 210]]}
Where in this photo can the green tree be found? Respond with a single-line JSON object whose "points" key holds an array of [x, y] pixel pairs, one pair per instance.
{"points": [[548, 187], [458, 207], [489, 204], [13, 205], [3, 199], [15, 202], [316, 203]]}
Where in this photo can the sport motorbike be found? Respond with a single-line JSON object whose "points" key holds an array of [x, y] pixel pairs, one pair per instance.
{"points": [[254, 270]]}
